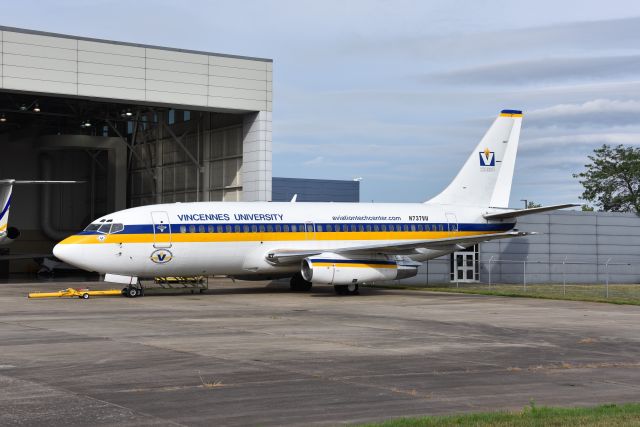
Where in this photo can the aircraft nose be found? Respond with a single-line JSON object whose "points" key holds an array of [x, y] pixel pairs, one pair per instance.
{"points": [[60, 252], [66, 252]]}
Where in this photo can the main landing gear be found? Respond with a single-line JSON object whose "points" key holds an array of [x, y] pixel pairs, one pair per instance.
{"points": [[298, 284], [350, 289], [133, 291]]}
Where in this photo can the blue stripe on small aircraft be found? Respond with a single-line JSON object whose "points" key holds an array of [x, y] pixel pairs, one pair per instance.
{"points": [[6, 208]]}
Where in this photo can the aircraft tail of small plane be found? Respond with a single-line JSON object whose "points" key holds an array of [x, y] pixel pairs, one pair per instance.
{"points": [[485, 179], [6, 188], [8, 233]]}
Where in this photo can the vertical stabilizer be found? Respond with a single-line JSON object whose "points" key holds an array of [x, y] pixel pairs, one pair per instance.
{"points": [[6, 187], [485, 179]]}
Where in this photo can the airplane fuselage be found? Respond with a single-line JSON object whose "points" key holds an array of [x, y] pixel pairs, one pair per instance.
{"points": [[226, 238]]}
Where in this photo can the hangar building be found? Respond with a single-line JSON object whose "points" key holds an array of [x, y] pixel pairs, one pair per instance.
{"points": [[138, 124]]}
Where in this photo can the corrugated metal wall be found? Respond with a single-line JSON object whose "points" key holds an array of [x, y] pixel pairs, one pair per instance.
{"points": [[218, 151], [572, 246]]}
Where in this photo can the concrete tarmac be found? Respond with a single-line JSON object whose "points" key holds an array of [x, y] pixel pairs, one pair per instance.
{"points": [[256, 354]]}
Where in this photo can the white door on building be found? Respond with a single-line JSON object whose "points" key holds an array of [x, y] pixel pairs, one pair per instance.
{"points": [[464, 267]]}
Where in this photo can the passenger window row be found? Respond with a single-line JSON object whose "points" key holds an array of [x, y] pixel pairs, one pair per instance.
{"points": [[269, 228]]}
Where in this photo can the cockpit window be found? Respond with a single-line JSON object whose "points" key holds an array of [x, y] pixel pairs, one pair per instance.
{"points": [[116, 228], [104, 228]]}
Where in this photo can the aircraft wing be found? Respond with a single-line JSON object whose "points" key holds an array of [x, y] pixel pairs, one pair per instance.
{"points": [[287, 256], [528, 211]]}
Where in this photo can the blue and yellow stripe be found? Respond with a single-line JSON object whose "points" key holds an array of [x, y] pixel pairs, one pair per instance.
{"points": [[510, 113], [352, 263], [143, 233]]}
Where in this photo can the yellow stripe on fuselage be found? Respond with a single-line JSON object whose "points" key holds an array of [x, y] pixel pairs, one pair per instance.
{"points": [[266, 237], [352, 265]]}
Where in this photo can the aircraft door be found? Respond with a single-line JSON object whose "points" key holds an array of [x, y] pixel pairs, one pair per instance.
{"points": [[161, 229], [309, 231], [452, 224]]}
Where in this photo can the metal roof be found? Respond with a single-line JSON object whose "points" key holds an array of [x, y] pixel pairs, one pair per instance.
{"points": [[66, 36]]}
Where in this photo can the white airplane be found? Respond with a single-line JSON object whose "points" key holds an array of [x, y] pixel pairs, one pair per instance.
{"points": [[339, 244]]}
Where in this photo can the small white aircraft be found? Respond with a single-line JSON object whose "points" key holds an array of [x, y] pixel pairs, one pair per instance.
{"points": [[339, 244], [7, 233]]}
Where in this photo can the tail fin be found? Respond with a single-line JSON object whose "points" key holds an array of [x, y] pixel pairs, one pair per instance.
{"points": [[485, 179], [6, 187]]}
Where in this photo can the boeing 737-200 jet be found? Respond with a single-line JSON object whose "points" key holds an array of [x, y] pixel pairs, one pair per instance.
{"points": [[339, 244]]}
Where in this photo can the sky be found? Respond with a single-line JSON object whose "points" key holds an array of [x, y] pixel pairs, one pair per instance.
{"points": [[399, 93]]}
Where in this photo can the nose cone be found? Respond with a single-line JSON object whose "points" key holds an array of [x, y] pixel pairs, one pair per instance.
{"points": [[67, 252], [61, 252]]}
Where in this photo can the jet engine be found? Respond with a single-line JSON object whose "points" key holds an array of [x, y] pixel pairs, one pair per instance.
{"points": [[12, 233], [334, 269]]}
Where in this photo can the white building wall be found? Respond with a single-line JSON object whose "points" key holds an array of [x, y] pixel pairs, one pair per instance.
{"points": [[40, 62], [256, 167]]}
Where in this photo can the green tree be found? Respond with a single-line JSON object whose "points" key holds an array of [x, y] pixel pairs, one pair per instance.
{"points": [[586, 208], [612, 179], [533, 204]]}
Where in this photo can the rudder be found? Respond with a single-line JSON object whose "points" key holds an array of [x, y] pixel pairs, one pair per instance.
{"points": [[485, 179]]}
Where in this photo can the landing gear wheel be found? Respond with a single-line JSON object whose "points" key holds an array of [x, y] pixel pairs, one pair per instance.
{"points": [[298, 284], [85, 296], [351, 289], [132, 292]]}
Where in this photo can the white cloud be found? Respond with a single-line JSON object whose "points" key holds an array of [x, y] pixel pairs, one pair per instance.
{"points": [[315, 161], [584, 139], [544, 70], [589, 107], [598, 113]]}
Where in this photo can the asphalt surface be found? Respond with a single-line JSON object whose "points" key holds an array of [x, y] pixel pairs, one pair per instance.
{"points": [[252, 354]]}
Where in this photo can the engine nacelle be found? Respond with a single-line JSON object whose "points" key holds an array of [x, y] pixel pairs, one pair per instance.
{"points": [[333, 269], [12, 233]]}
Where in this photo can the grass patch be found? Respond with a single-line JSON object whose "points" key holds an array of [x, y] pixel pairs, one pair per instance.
{"points": [[531, 416], [618, 294], [211, 383]]}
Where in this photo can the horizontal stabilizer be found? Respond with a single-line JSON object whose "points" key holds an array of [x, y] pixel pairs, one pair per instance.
{"points": [[529, 211]]}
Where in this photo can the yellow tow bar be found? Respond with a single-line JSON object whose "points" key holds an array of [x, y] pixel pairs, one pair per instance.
{"points": [[71, 293]]}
